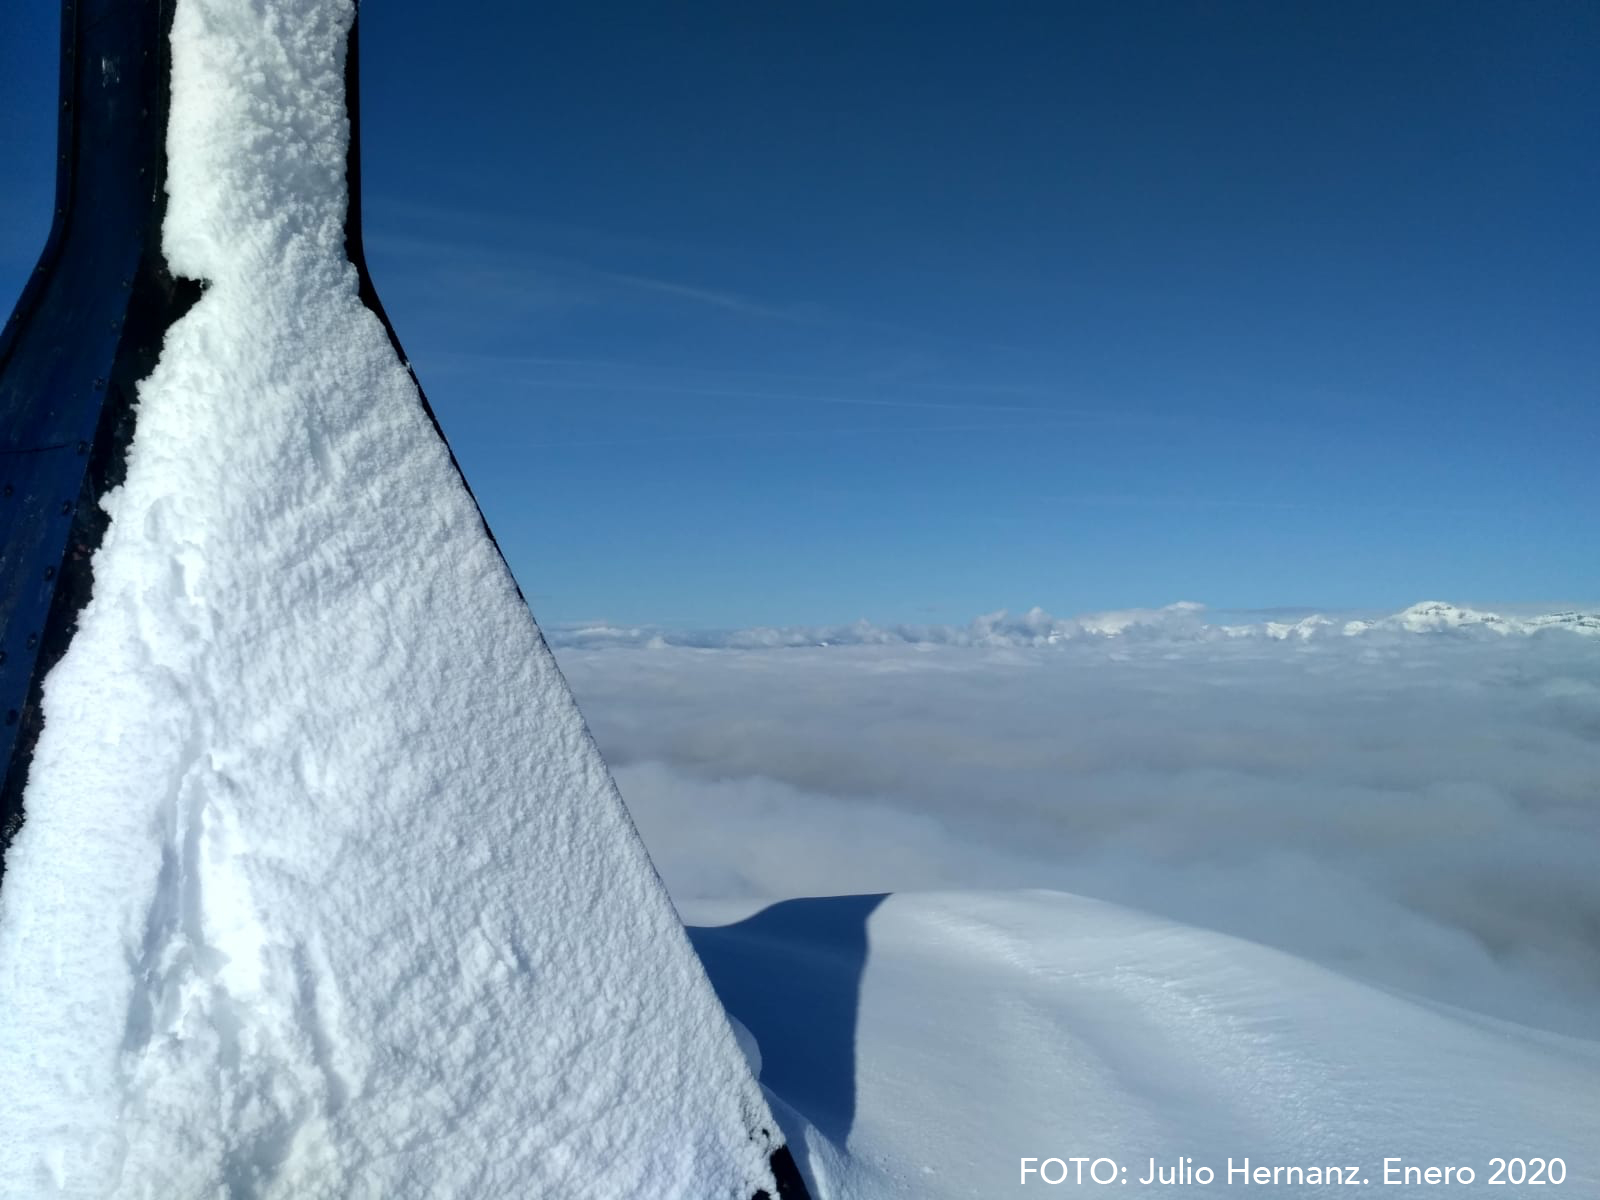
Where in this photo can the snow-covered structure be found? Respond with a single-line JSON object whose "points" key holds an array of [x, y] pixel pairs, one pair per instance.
{"points": [[322, 888]]}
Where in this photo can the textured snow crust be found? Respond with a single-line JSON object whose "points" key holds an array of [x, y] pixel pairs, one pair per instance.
{"points": [[324, 890]]}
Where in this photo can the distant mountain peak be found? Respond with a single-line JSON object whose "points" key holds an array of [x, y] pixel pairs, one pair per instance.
{"points": [[1184, 621]]}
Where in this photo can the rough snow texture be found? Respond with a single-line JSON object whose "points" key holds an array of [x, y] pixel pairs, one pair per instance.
{"points": [[324, 890]]}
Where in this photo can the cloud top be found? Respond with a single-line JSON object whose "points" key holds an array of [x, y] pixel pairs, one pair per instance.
{"points": [[1184, 621], [1414, 802]]}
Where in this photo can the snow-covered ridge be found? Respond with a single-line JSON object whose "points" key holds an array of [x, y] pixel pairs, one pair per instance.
{"points": [[1183, 621], [1142, 1038]]}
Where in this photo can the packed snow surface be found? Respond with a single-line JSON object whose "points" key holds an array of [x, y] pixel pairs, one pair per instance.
{"points": [[324, 890], [950, 1036]]}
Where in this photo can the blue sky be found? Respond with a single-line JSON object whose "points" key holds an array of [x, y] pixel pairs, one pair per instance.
{"points": [[740, 314]]}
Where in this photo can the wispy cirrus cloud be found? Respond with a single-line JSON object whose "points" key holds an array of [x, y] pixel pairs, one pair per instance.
{"points": [[585, 267], [714, 297], [549, 278]]}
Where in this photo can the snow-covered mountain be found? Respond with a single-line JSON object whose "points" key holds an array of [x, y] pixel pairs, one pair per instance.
{"points": [[1438, 616], [1183, 621], [1573, 622]]}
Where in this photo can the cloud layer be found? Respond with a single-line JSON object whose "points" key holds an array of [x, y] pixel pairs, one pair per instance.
{"points": [[1184, 621], [1421, 811]]}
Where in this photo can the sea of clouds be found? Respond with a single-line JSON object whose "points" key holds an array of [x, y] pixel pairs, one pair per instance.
{"points": [[1419, 809], [1184, 621]]}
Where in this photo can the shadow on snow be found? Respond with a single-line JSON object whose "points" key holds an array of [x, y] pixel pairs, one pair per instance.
{"points": [[792, 974]]}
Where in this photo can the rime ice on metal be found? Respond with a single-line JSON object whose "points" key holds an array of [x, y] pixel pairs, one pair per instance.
{"points": [[323, 889]]}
